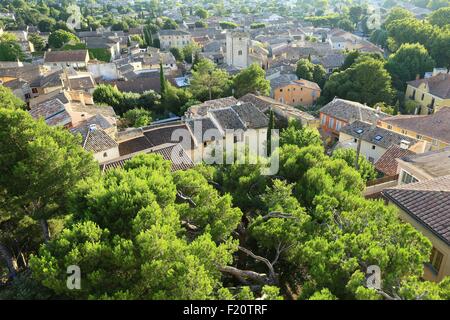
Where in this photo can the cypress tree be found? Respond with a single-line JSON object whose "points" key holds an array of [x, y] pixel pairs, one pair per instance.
{"points": [[162, 80]]}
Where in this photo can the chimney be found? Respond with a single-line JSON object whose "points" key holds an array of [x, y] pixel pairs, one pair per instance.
{"points": [[404, 145]]}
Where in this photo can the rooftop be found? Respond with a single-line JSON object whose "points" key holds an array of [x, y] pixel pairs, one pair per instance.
{"points": [[434, 125], [387, 163], [433, 163], [438, 85], [375, 135], [349, 111], [428, 202], [63, 56], [171, 152]]}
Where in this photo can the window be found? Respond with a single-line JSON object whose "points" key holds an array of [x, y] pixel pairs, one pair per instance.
{"points": [[404, 132], [407, 178], [419, 137], [34, 90], [204, 144], [281, 90], [423, 96], [389, 127], [434, 142], [105, 155], [371, 160], [436, 259], [240, 53], [331, 124], [373, 147], [324, 119], [355, 140]]}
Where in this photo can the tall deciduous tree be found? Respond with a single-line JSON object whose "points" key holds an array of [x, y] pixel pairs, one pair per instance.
{"points": [[366, 81], [407, 63]]}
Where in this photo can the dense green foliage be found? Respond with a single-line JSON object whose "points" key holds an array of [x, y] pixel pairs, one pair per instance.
{"points": [[310, 71], [209, 82], [366, 81], [251, 80], [124, 101]]}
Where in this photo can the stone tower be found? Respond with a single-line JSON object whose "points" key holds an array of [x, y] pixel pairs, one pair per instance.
{"points": [[237, 49]]}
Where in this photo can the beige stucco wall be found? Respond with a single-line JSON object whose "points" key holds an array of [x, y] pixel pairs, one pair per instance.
{"points": [[434, 144], [294, 95], [427, 98], [366, 148], [440, 245]]}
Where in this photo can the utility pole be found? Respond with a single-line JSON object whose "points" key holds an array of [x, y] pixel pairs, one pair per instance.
{"points": [[209, 84], [358, 149]]}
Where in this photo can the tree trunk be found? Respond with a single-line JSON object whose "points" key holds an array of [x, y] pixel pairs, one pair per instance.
{"points": [[10, 260], [45, 230]]}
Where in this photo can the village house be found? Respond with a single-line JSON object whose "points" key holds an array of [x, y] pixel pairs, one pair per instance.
{"points": [[281, 111], [173, 39], [433, 128], [339, 112], [374, 141], [77, 59], [110, 45], [298, 92], [426, 206], [423, 167], [431, 94]]}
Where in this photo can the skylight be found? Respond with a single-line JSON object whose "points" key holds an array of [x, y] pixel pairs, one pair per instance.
{"points": [[359, 131], [378, 137]]}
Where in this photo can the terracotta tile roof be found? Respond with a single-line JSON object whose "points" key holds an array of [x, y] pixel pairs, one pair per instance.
{"points": [[172, 152], [435, 125], [350, 110], [153, 136], [438, 85], [63, 56], [203, 108], [387, 163], [375, 135], [98, 140], [428, 202], [52, 111], [82, 83], [227, 118], [307, 84], [433, 163], [251, 116]]}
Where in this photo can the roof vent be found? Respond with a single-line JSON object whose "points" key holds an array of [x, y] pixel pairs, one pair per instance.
{"points": [[92, 127], [404, 144]]}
